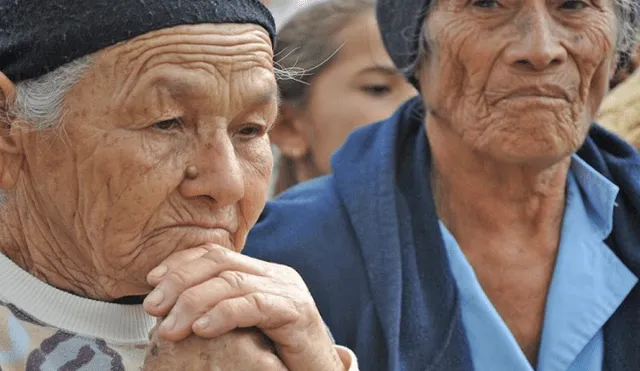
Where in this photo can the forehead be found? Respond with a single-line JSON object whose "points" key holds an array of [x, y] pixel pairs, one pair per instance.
{"points": [[455, 4], [190, 61], [361, 43]]}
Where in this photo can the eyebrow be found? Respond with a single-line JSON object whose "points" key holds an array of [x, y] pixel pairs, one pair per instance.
{"points": [[267, 96], [387, 70], [181, 88]]}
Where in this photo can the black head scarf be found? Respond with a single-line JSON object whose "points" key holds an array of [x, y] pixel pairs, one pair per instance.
{"points": [[38, 36], [400, 23]]}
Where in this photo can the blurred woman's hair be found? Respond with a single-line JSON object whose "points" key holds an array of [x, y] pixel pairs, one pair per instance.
{"points": [[627, 70], [306, 44]]}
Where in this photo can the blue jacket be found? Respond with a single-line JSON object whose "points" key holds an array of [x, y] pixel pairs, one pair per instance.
{"points": [[367, 242]]}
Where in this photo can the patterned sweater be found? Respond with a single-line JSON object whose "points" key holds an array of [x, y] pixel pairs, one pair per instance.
{"points": [[45, 329]]}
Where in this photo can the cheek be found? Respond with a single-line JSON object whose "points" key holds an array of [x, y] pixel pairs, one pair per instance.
{"points": [[53, 175], [593, 51], [458, 65], [332, 129], [257, 162], [127, 179]]}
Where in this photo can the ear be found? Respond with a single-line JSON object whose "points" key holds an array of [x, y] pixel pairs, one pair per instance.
{"points": [[11, 155], [289, 132]]}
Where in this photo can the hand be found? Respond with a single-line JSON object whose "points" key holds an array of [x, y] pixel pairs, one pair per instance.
{"points": [[211, 290], [242, 349]]}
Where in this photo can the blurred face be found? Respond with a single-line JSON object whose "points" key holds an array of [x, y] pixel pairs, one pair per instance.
{"points": [[112, 179], [519, 80], [360, 86]]}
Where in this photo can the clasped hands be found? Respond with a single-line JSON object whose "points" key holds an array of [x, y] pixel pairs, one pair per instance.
{"points": [[226, 311]]}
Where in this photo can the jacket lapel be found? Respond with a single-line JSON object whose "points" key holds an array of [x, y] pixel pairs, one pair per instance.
{"points": [[619, 162]]}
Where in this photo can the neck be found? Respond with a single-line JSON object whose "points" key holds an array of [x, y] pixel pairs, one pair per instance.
{"points": [[30, 241], [477, 194]]}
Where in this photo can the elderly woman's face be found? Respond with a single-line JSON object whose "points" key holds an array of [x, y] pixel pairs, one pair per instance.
{"points": [[519, 80], [113, 176]]}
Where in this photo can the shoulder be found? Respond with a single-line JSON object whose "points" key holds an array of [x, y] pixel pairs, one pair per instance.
{"points": [[298, 222], [308, 229]]}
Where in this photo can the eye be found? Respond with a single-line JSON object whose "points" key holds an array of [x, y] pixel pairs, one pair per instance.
{"points": [[251, 131], [378, 90], [173, 123], [573, 5], [486, 4]]}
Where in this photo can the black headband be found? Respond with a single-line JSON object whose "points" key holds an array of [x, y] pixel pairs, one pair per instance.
{"points": [[38, 36], [400, 23]]}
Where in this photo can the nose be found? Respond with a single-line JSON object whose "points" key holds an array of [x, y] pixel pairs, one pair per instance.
{"points": [[219, 174], [537, 46]]}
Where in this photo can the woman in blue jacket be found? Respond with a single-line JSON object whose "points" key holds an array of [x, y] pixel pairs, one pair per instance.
{"points": [[497, 229]]}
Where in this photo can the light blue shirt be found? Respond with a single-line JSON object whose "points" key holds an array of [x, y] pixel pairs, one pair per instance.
{"points": [[589, 283]]}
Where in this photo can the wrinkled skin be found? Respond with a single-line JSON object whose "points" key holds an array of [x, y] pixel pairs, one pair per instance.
{"points": [[224, 353], [108, 187], [483, 56], [211, 291], [512, 87], [359, 86]]}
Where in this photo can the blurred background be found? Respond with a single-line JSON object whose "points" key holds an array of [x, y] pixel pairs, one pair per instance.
{"points": [[282, 9]]}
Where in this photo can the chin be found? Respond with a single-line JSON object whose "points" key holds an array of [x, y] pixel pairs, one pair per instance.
{"points": [[532, 157], [529, 151], [536, 140]]}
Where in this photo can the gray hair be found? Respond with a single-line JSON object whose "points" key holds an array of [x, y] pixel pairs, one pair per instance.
{"points": [[40, 101], [627, 16]]}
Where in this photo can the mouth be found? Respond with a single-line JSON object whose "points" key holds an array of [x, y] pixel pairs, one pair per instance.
{"points": [[205, 233], [541, 92]]}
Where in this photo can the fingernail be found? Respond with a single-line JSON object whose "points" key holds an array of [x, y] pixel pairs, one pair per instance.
{"points": [[169, 323], [202, 323], [155, 298], [159, 271]]}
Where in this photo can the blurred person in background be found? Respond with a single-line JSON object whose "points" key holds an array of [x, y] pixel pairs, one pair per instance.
{"points": [[342, 79], [620, 111]]}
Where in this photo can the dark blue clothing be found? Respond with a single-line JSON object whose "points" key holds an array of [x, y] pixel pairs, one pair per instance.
{"points": [[368, 243]]}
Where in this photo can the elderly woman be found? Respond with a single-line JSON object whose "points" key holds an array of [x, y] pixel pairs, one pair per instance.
{"points": [[132, 131], [346, 80], [495, 230]]}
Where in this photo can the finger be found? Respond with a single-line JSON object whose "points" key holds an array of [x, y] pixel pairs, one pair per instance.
{"points": [[258, 309], [300, 346], [198, 300], [192, 273], [174, 260]]}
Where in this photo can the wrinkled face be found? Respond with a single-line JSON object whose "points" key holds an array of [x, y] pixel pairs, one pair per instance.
{"points": [[359, 87], [519, 80], [113, 177]]}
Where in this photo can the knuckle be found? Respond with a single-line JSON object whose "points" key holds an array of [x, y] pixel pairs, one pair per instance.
{"points": [[291, 274], [190, 300], [179, 277], [267, 308], [217, 254], [226, 309], [261, 301], [233, 278]]}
